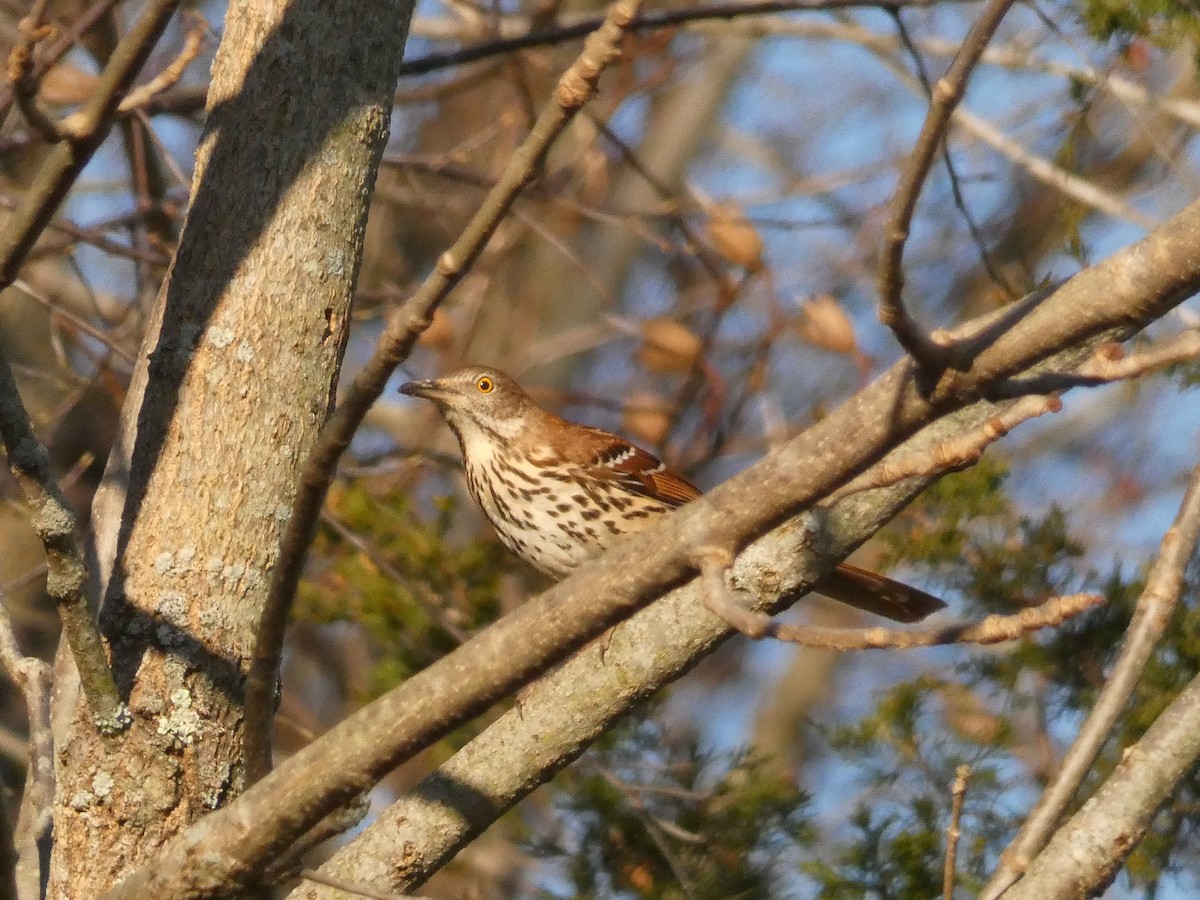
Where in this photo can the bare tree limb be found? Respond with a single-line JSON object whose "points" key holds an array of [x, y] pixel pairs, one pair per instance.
{"points": [[947, 92], [576, 86], [956, 452], [53, 518], [1109, 363], [1086, 854], [168, 77], [1150, 620], [958, 794], [66, 577], [1108, 301]]}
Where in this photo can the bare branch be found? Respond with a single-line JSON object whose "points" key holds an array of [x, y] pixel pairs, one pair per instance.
{"points": [[992, 630], [1108, 364], [1086, 854], [958, 794], [56, 51], [1048, 173], [1150, 620], [947, 93], [955, 452], [576, 86], [33, 29], [168, 77], [54, 521]]}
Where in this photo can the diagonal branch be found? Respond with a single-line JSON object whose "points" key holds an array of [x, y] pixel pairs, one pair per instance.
{"points": [[576, 86], [1086, 855], [1150, 620], [947, 93], [1059, 328]]}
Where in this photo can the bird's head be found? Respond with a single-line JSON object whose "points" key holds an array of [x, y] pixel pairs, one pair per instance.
{"points": [[476, 397]]}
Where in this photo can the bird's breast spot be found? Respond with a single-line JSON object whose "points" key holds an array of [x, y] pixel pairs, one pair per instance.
{"points": [[590, 514]]}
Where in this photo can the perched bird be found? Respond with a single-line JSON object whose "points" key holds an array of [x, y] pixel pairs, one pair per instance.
{"points": [[559, 493]]}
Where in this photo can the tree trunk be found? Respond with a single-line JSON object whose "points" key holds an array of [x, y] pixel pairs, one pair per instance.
{"points": [[234, 381]]}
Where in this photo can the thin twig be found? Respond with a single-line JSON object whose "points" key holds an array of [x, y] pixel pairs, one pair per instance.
{"points": [[954, 453], [656, 20], [50, 56], [168, 77], [59, 310], [576, 86], [714, 563], [956, 191], [958, 794], [994, 629], [421, 594], [1154, 609], [33, 29], [1109, 363], [947, 93]]}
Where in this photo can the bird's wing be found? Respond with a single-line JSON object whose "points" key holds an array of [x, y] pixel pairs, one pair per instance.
{"points": [[638, 471]]}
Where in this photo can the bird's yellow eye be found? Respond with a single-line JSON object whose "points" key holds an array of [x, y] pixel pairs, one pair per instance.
{"points": [[485, 385]]}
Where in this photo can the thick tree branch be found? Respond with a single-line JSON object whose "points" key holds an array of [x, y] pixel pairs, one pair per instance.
{"points": [[576, 86], [1150, 620], [947, 92], [1108, 301]]}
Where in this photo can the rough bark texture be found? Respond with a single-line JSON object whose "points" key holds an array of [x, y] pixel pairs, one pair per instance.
{"points": [[233, 383]]}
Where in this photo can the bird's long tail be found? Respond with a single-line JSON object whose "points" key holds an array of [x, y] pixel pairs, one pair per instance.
{"points": [[876, 594]]}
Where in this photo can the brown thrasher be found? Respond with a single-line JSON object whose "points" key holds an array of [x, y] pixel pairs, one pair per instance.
{"points": [[559, 493]]}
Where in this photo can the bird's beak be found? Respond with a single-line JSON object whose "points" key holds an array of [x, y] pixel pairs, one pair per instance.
{"points": [[430, 390]]}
